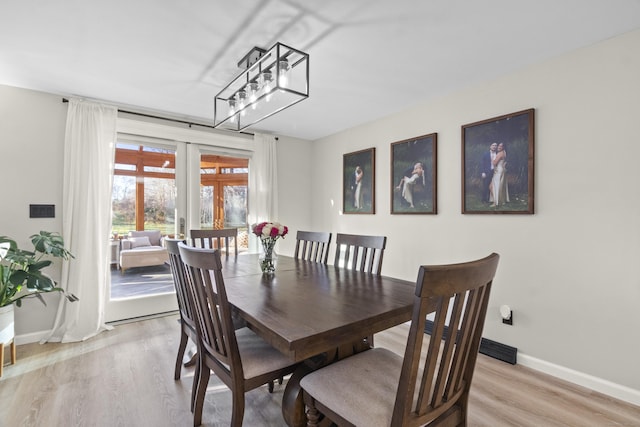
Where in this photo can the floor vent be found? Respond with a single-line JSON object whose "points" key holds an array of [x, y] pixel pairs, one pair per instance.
{"points": [[487, 347], [499, 351]]}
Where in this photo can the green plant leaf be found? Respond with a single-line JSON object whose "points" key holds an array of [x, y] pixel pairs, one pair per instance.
{"points": [[21, 268]]}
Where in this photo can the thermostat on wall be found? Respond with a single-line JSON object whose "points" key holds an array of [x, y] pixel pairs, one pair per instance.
{"points": [[42, 211]]}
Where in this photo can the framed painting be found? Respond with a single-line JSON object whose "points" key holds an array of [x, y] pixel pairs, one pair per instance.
{"points": [[413, 175], [497, 165], [358, 178]]}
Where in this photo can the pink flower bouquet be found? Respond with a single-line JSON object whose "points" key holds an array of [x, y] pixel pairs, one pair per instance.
{"points": [[269, 233], [270, 229]]}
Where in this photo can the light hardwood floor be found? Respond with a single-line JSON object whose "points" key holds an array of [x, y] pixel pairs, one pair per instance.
{"points": [[124, 377]]}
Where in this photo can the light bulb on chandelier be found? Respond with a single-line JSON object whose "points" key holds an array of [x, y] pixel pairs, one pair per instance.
{"points": [[242, 98], [267, 84], [283, 76], [232, 109], [253, 94]]}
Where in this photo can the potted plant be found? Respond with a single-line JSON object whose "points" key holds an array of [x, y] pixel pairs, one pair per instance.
{"points": [[22, 276]]}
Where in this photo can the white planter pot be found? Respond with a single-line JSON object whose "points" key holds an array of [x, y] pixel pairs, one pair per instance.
{"points": [[7, 332]]}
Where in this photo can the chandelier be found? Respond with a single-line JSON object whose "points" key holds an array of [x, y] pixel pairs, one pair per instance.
{"points": [[272, 81]]}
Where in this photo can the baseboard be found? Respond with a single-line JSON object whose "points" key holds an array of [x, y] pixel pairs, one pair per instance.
{"points": [[40, 335], [600, 385], [145, 317], [31, 337]]}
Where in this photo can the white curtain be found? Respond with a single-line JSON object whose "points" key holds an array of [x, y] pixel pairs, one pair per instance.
{"points": [[88, 162], [263, 183]]}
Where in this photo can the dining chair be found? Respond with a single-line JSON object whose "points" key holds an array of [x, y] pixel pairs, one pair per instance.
{"points": [[380, 388], [363, 253], [358, 252], [212, 239], [240, 358], [185, 308], [312, 246]]}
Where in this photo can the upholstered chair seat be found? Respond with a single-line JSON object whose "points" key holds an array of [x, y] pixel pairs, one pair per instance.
{"points": [[368, 383]]}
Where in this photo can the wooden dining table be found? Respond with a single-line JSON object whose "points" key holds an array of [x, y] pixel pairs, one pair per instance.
{"points": [[313, 313]]}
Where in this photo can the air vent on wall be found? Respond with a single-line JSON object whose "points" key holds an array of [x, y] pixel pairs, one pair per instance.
{"points": [[487, 347]]}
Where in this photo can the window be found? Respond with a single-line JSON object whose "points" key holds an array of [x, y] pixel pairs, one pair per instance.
{"points": [[144, 190], [223, 191]]}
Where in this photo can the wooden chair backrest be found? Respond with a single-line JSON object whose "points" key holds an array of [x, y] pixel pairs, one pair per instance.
{"points": [[313, 246], [185, 305], [358, 252], [212, 239], [213, 313], [461, 292]]}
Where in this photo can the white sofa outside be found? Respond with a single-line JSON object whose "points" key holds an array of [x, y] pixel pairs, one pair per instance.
{"points": [[142, 249]]}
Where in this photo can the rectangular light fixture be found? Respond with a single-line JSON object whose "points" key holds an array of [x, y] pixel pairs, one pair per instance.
{"points": [[272, 81]]}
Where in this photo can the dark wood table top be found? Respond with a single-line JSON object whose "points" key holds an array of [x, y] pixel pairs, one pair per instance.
{"points": [[307, 308]]}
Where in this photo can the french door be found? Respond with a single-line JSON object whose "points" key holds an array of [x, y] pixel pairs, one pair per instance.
{"points": [[149, 194], [172, 187]]}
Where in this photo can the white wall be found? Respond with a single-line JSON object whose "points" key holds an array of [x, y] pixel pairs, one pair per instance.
{"points": [[570, 271], [294, 181], [31, 142]]}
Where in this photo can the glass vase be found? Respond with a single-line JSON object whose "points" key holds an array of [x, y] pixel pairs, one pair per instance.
{"points": [[268, 256]]}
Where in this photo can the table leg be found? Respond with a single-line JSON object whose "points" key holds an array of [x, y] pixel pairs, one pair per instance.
{"points": [[292, 403]]}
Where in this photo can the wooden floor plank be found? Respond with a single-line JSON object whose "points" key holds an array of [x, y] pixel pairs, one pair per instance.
{"points": [[124, 377]]}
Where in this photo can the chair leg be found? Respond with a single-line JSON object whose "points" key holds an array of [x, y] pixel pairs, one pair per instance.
{"points": [[271, 384], [201, 390], [194, 387], [237, 413], [313, 416], [191, 362], [181, 348]]}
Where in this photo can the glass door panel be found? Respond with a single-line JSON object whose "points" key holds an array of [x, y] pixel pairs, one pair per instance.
{"points": [[144, 203], [160, 205], [123, 205], [223, 194], [235, 206], [207, 196]]}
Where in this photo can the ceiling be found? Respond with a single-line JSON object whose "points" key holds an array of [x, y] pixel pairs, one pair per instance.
{"points": [[368, 58]]}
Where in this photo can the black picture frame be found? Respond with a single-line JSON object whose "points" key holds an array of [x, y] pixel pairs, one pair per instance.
{"points": [[511, 180], [414, 175], [359, 194]]}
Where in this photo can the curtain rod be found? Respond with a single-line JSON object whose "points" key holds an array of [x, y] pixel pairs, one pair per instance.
{"points": [[64, 100]]}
